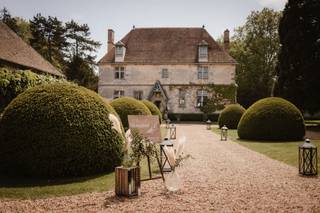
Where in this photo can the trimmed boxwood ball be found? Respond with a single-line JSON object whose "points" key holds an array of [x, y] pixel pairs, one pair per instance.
{"points": [[125, 106], [58, 130], [273, 119], [230, 116], [153, 109]]}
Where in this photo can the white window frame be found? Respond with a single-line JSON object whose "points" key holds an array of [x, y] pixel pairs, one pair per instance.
{"points": [[138, 94], [202, 96], [119, 51], [203, 72], [182, 98], [119, 73], [203, 52], [165, 73], [118, 94]]}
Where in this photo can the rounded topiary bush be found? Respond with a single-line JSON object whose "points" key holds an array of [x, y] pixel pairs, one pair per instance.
{"points": [[58, 130], [153, 109], [272, 119], [230, 116], [129, 106]]}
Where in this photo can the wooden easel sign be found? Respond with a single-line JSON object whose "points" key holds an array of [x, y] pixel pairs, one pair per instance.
{"points": [[149, 127]]}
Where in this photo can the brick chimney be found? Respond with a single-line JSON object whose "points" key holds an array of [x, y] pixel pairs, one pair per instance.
{"points": [[226, 40], [110, 39]]}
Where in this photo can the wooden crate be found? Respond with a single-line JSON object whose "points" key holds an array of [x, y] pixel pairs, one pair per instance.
{"points": [[127, 181]]}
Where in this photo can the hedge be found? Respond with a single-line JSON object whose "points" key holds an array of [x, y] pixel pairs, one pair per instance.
{"points": [[14, 82], [273, 119], [193, 117], [58, 130], [153, 109], [230, 116], [129, 106]]}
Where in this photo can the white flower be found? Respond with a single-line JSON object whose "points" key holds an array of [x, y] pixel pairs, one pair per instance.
{"points": [[115, 123], [128, 137], [169, 151], [180, 146]]}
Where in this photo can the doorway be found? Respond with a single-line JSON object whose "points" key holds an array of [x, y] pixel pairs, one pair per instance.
{"points": [[158, 104]]}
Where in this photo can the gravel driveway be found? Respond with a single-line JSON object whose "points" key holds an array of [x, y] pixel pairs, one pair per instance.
{"points": [[221, 177]]}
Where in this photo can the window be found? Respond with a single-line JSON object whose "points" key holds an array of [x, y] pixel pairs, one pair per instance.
{"points": [[119, 51], [118, 94], [203, 52], [165, 73], [203, 72], [202, 97], [182, 98], [138, 95], [119, 73]]}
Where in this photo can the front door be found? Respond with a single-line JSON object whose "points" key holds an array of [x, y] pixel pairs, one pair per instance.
{"points": [[158, 104]]}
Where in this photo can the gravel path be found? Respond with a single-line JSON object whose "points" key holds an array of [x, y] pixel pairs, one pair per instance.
{"points": [[222, 177]]}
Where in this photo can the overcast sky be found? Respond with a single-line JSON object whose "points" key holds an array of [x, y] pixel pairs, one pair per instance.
{"points": [[121, 15]]}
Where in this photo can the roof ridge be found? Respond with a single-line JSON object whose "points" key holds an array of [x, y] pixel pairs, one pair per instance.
{"points": [[137, 28]]}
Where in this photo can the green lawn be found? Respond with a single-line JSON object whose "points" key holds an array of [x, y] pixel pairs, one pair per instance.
{"points": [[286, 152], [52, 188], [312, 122]]}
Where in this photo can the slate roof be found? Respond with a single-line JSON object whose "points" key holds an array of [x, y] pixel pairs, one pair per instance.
{"points": [[14, 50], [168, 46]]}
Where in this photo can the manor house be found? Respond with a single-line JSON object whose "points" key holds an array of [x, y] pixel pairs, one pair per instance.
{"points": [[169, 66]]}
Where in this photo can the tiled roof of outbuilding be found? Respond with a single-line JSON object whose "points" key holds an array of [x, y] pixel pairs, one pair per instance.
{"points": [[14, 50]]}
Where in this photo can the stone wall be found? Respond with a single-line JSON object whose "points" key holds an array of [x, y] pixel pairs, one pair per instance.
{"points": [[143, 78], [178, 74]]}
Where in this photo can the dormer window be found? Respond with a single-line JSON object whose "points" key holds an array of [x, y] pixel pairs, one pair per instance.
{"points": [[203, 51], [120, 52]]}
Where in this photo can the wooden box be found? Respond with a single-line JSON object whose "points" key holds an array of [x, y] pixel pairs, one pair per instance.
{"points": [[127, 181]]}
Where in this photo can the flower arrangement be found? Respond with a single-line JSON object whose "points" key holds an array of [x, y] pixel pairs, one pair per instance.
{"points": [[138, 147], [176, 156]]}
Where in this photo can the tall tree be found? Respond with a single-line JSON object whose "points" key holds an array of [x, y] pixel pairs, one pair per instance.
{"points": [[6, 18], [81, 65], [48, 38], [81, 72], [255, 46], [299, 57], [80, 43], [18, 25]]}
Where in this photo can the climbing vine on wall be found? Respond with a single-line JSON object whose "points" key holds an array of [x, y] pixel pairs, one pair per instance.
{"points": [[14, 82], [219, 96]]}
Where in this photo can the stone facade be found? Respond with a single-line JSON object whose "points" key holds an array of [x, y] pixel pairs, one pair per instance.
{"points": [[185, 77]]}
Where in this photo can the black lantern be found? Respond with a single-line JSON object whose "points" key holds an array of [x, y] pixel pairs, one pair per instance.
{"points": [[173, 132], [168, 123], [165, 165], [224, 133], [208, 124], [308, 162]]}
